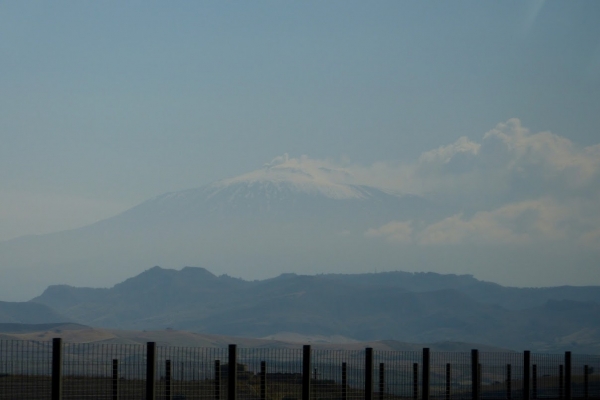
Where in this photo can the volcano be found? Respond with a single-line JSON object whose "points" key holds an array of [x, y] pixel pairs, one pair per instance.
{"points": [[281, 218]]}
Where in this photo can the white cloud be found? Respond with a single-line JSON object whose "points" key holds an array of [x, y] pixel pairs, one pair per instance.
{"points": [[456, 157], [544, 156], [516, 223], [518, 187], [509, 165], [523, 223], [395, 231]]}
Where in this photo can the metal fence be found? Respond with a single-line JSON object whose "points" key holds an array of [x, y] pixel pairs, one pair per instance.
{"points": [[56, 370]]}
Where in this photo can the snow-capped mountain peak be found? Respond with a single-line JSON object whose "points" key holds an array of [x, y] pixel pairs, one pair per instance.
{"points": [[300, 175]]}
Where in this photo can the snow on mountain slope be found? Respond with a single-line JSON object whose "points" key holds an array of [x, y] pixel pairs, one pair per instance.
{"points": [[284, 190], [302, 179]]}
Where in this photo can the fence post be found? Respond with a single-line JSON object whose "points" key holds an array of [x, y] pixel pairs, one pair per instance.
{"points": [[57, 365], [508, 382], [415, 380], [369, 373], [344, 381], [263, 380], [561, 381], [475, 374], [306, 369], [168, 392], [232, 373], [526, 368], [567, 375], [479, 379], [381, 380], [534, 381], [150, 370], [425, 379], [448, 381], [586, 372], [217, 379], [115, 379]]}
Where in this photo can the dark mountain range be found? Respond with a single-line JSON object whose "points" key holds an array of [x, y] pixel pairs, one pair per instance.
{"points": [[419, 307], [485, 292]]}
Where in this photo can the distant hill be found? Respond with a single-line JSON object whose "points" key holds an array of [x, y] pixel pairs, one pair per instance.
{"points": [[28, 313], [401, 306]]}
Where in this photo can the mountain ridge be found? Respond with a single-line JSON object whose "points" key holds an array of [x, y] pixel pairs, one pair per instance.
{"points": [[360, 307]]}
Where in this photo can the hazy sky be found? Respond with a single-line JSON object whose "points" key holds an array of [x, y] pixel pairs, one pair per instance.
{"points": [[105, 104]]}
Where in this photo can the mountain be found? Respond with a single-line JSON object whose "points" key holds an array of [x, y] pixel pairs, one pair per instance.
{"points": [[277, 219], [407, 307]]}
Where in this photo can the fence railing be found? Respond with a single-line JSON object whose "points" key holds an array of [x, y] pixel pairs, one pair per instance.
{"points": [[56, 370]]}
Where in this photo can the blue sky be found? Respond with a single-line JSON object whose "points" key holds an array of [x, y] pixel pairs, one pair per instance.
{"points": [[105, 104]]}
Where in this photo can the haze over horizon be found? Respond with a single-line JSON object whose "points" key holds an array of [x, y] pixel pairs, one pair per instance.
{"points": [[489, 109]]}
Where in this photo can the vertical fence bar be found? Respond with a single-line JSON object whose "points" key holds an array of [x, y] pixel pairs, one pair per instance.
{"points": [[232, 373], [475, 374], [426, 374], [508, 381], [168, 391], [151, 371], [561, 381], [57, 366], [306, 369], [263, 380], [217, 380], [381, 380], [368, 373], [585, 381], [568, 375], [448, 381], [479, 379], [344, 381], [534, 381], [526, 371], [115, 379], [415, 381]]}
